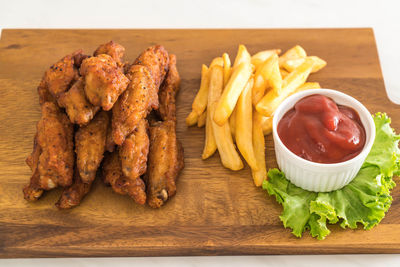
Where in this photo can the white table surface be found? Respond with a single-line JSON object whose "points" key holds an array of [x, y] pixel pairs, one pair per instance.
{"points": [[382, 16]]}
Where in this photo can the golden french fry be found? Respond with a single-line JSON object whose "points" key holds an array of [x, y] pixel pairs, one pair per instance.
{"points": [[292, 53], [227, 68], [192, 118], [306, 86], [201, 121], [291, 64], [260, 174], [200, 101], [266, 123], [210, 146], [259, 58], [267, 75], [217, 61], [270, 102], [232, 123], [231, 93], [244, 124], [222, 134], [242, 56]]}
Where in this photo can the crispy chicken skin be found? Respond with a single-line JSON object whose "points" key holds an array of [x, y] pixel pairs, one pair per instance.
{"points": [[44, 94], [104, 80], [112, 175], [61, 75], [155, 58], [90, 142], [168, 90], [164, 163], [79, 109], [73, 195], [134, 103], [133, 152], [116, 51], [110, 144], [33, 191], [55, 138]]}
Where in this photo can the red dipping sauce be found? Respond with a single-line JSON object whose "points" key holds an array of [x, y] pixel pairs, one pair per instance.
{"points": [[319, 130]]}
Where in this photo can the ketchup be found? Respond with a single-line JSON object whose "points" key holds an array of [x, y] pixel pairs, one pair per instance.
{"points": [[319, 130]]}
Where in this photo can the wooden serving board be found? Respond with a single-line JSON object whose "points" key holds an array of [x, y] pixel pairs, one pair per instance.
{"points": [[215, 211]]}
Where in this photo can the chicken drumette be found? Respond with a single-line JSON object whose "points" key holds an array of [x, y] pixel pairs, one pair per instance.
{"points": [[104, 80]]}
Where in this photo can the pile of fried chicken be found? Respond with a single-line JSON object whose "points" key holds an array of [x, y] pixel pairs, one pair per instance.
{"points": [[99, 112]]}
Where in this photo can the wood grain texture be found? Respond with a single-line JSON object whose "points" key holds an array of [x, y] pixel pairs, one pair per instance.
{"points": [[215, 211]]}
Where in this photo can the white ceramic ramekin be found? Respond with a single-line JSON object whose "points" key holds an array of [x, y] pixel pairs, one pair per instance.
{"points": [[321, 177]]}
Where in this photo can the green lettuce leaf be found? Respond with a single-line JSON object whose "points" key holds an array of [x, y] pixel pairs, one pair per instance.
{"points": [[363, 201]]}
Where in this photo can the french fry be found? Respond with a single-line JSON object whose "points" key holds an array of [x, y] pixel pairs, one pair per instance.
{"points": [[242, 56], [192, 118], [267, 75], [232, 123], [270, 102], [201, 121], [266, 123], [200, 101], [306, 86], [260, 57], [260, 174], [231, 93], [217, 61], [227, 68], [244, 125], [292, 53], [284, 73], [291, 64], [210, 146], [223, 138]]}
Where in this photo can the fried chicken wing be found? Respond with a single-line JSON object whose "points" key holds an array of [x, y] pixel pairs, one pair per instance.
{"points": [[155, 58], [168, 90], [60, 76], [104, 80], [33, 191], [78, 108], [133, 152], [73, 195], [133, 105], [112, 175], [55, 138], [116, 51], [90, 142], [110, 144], [164, 163]]}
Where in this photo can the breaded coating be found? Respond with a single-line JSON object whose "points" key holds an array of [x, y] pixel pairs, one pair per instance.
{"points": [[116, 51], [55, 138], [110, 144], [79, 109], [112, 175], [133, 152], [90, 142], [61, 75], [104, 80], [44, 94], [164, 163], [133, 105], [168, 90], [33, 191], [155, 58], [73, 195]]}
